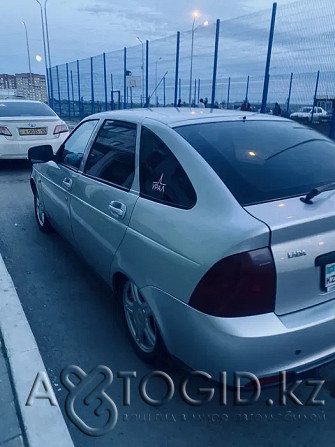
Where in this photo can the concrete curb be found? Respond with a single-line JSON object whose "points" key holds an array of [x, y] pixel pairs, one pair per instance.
{"points": [[44, 424]]}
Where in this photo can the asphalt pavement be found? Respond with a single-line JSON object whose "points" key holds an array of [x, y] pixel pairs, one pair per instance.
{"points": [[77, 321]]}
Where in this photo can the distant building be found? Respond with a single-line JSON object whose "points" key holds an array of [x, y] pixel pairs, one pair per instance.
{"points": [[7, 93], [26, 85], [31, 86], [7, 81]]}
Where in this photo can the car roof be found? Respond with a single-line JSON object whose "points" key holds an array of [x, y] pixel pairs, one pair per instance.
{"points": [[174, 117], [22, 100]]}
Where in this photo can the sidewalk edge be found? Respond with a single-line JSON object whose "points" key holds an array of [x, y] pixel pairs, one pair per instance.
{"points": [[43, 424]]}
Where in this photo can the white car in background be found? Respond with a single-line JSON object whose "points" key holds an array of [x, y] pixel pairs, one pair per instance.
{"points": [[306, 114], [24, 124]]}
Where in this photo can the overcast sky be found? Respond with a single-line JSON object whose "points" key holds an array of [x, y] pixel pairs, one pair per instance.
{"points": [[82, 28]]}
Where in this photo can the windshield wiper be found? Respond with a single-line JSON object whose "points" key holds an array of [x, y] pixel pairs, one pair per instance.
{"points": [[316, 191]]}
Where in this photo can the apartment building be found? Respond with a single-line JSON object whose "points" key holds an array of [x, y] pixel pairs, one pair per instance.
{"points": [[27, 85]]}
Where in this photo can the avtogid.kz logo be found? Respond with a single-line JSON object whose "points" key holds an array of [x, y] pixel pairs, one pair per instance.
{"points": [[89, 391]]}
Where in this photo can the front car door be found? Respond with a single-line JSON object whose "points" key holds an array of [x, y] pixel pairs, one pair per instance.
{"points": [[58, 177], [103, 200]]}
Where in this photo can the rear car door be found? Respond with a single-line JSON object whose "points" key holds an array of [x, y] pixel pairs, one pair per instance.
{"points": [[58, 177], [103, 200]]}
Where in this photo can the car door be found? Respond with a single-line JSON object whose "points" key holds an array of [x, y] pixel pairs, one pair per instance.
{"points": [[103, 200], [59, 176]]}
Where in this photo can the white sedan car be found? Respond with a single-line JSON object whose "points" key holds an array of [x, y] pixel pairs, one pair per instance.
{"points": [[306, 114], [24, 124], [201, 222]]}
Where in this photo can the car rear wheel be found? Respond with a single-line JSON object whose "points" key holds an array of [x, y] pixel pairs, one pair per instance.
{"points": [[41, 218], [141, 324]]}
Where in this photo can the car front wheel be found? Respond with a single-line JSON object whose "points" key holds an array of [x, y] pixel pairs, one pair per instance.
{"points": [[141, 324], [41, 218]]}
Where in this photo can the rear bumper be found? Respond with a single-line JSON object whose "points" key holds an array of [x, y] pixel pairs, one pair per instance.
{"points": [[263, 345], [19, 149]]}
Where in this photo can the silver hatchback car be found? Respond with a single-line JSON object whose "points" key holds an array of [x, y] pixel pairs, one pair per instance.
{"points": [[207, 225]]}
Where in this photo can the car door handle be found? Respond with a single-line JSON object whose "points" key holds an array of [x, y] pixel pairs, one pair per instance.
{"points": [[67, 183], [117, 209]]}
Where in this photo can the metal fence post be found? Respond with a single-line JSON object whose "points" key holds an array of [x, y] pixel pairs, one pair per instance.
{"points": [[268, 60], [247, 90], [112, 92], [179, 89], [216, 52], [105, 81], [177, 70], [125, 78], [68, 91], [58, 86], [198, 90], [147, 74], [332, 124], [315, 93], [164, 94], [92, 88], [79, 93], [72, 91], [289, 95], [228, 93], [195, 91]]}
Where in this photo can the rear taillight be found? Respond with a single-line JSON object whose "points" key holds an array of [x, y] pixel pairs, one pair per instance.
{"points": [[60, 128], [5, 131], [237, 286]]}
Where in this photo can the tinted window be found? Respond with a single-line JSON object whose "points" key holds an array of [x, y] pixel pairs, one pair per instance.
{"points": [[264, 160], [22, 108], [162, 178], [73, 150], [112, 156]]}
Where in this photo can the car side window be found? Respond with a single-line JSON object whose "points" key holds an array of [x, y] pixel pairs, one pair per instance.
{"points": [[112, 155], [162, 178], [74, 147]]}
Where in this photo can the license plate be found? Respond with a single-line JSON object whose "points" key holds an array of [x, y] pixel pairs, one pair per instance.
{"points": [[37, 131], [330, 277]]}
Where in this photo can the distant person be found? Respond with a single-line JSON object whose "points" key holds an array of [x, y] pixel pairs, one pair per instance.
{"points": [[201, 103], [277, 109], [248, 107], [216, 105], [179, 103], [244, 106], [206, 101]]}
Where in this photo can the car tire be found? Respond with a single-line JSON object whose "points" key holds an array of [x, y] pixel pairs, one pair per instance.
{"points": [[41, 218], [141, 324]]}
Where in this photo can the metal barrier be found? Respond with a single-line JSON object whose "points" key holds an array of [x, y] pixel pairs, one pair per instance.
{"points": [[263, 58]]}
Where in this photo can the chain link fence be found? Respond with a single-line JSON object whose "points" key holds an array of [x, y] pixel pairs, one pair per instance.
{"points": [[301, 71]]}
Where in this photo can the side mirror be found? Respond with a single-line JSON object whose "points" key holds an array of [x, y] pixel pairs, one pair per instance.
{"points": [[40, 154]]}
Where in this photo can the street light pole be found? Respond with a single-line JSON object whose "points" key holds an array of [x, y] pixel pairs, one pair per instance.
{"points": [[195, 16], [156, 80], [44, 46], [49, 55], [29, 64], [142, 67], [27, 41]]}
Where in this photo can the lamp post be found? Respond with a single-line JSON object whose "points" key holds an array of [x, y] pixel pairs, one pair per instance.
{"points": [[29, 64], [156, 80], [195, 15], [142, 66], [44, 47]]}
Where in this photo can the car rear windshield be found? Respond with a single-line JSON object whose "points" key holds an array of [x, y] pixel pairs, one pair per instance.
{"points": [[22, 108], [260, 161]]}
